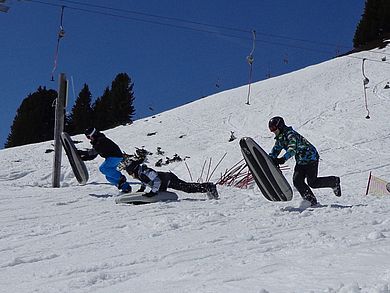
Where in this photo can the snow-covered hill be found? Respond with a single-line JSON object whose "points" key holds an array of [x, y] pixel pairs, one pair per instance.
{"points": [[75, 239]]}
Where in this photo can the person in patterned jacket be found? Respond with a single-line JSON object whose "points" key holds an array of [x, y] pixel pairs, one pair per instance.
{"points": [[306, 157], [161, 181]]}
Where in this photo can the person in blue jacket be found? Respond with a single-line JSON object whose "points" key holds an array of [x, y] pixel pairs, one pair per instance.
{"points": [[110, 151], [306, 158]]}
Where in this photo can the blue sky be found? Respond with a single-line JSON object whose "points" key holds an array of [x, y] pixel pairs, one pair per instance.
{"points": [[171, 62]]}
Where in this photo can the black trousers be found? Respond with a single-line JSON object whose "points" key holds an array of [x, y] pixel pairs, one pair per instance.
{"points": [[170, 180], [310, 173]]}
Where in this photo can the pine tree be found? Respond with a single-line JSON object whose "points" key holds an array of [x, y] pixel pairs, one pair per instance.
{"points": [[81, 117], [115, 107], [374, 24], [122, 96], [101, 111], [34, 119]]}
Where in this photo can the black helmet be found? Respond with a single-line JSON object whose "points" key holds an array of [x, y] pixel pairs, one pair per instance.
{"points": [[90, 132], [276, 123], [132, 167]]}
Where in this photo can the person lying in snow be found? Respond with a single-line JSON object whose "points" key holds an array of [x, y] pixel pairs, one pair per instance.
{"points": [[160, 181], [306, 157], [110, 151]]}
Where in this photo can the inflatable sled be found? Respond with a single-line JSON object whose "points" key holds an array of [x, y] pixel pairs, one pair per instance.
{"points": [[138, 198], [78, 166], [268, 177]]}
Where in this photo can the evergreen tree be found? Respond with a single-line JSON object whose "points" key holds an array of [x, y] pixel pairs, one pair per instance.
{"points": [[374, 24], [115, 107], [81, 117], [122, 96], [101, 109], [34, 119]]}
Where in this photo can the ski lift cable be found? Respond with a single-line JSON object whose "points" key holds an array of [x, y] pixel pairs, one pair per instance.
{"points": [[173, 19], [155, 16], [194, 29], [195, 22], [199, 23], [60, 35], [152, 22], [140, 14], [207, 31]]}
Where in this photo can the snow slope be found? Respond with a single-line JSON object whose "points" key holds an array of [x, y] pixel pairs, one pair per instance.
{"points": [[75, 239]]}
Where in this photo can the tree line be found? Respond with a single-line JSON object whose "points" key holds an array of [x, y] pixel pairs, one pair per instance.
{"points": [[35, 117], [374, 25]]}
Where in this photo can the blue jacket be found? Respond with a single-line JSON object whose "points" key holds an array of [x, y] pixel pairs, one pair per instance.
{"points": [[295, 145]]}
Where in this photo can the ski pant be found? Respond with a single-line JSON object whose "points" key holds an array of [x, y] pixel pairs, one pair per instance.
{"points": [[310, 173], [170, 180], [108, 168]]}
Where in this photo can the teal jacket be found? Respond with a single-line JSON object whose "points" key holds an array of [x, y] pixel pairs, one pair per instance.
{"points": [[295, 145]]}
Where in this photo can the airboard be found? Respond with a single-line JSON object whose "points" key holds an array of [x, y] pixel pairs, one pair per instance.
{"points": [[268, 177], [78, 166], [138, 198]]}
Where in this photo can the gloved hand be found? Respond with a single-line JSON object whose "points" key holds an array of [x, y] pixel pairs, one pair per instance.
{"points": [[150, 194], [83, 154], [278, 161], [141, 189]]}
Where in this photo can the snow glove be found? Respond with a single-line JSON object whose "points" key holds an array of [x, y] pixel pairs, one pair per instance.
{"points": [[278, 161], [87, 155], [150, 194], [83, 155], [141, 189]]}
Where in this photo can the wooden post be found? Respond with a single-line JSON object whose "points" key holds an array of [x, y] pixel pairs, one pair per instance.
{"points": [[59, 128]]}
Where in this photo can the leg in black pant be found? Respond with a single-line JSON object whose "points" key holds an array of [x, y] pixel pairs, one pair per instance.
{"points": [[170, 180], [310, 172], [300, 174], [319, 182], [189, 187]]}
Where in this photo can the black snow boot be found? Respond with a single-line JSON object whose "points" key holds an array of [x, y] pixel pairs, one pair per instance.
{"points": [[122, 180], [212, 192], [310, 197], [337, 188]]}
